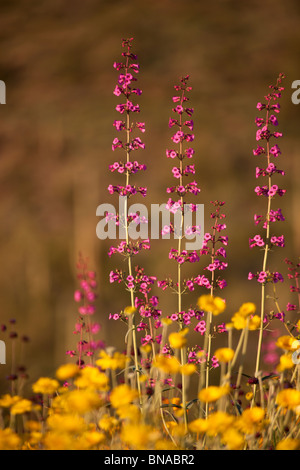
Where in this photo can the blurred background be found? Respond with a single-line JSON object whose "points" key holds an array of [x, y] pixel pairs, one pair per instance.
{"points": [[55, 147]]}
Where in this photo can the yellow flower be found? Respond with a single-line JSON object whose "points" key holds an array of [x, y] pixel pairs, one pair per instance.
{"points": [[169, 365], [91, 377], [288, 343], [58, 441], [249, 396], [165, 444], [188, 369], [177, 340], [250, 420], [146, 348], [35, 438], [108, 423], [176, 430], [224, 354], [81, 401], [288, 398], [89, 439], [218, 423], [285, 362], [129, 412], [212, 304], [254, 323], [246, 309], [198, 425], [67, 371], [129, 310], [139, 436], [288, 444], [122, 395], [233, 439], [213, 393], [239, 321], [9, 440], [45, 385], [116, 361], [21, 406], [6, 401], [70, 423], [32, 425]]}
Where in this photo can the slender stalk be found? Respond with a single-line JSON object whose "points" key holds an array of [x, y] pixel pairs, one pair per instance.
{"points": [[264, 266], [183, 350], [131, 324]]}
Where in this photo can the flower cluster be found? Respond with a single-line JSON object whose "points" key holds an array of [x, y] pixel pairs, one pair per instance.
{"points": [[214, 246], [85, 296], [265, 133]]}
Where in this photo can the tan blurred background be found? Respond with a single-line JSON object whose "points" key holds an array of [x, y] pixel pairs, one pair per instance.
{"points": [[56, 133]]}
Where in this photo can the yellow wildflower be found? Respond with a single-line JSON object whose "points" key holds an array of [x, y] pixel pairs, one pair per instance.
{"points": [[212, 304], [70, 423], [177, 430], [288, 398], [165, 444], [198, 425], [288, 444], [251, 420], [108, 423], [33, 426], [239, 321], [81, 401], [254, 323], [45, 385], [35, 438], [122, 395], [218, 423], [67, 371], [224, 354], [9, 440], [58, 441], [188, 369], [116, 361], [177, 340], [21, 406], [88, 440], [129, 310], [246, 309], [129, 412], [91, 377], [249, 396], [285, 362], [288, 343], [233, 439], [146, 348], [168, 364], [6, 401], [213, 393], [139, 436]]}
